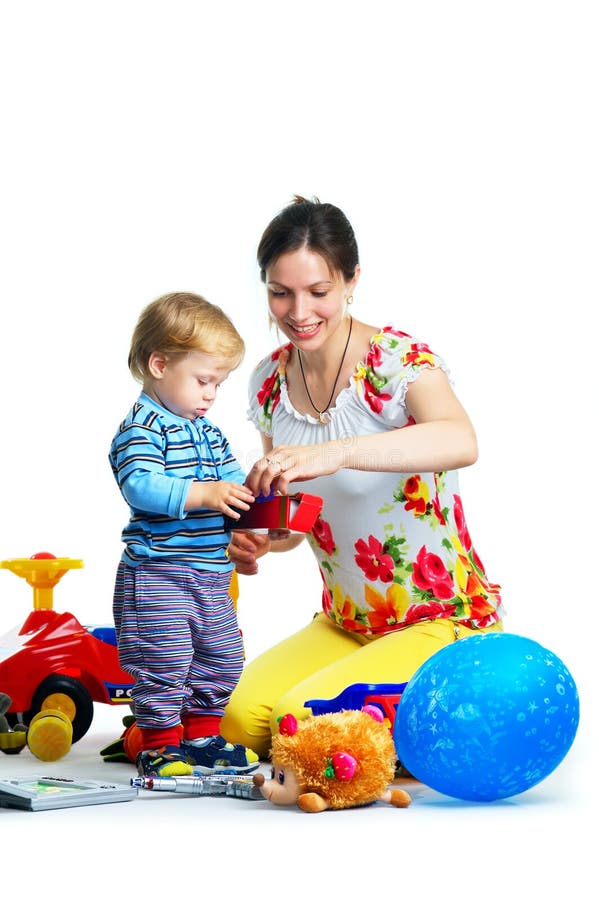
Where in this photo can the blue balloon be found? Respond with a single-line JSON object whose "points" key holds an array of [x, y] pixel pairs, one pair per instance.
{"points": [[487, 717]]}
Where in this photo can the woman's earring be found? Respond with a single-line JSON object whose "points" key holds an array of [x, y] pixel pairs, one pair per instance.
{"points": [[349, 300]]}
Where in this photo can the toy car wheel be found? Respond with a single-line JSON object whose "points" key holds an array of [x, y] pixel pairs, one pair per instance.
{"points": [[13, 741], [76, 693]]}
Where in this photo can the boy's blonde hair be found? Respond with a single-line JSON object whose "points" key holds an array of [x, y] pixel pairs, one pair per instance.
{"points": [[175, 324]]}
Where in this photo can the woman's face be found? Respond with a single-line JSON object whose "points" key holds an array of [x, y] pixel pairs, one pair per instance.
{"points": [[306, 300]]}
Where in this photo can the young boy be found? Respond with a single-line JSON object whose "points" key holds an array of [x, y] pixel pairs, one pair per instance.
{"points": [[176, 624]]}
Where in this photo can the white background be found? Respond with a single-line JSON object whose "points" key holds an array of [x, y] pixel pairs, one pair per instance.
{"points": [[145, 146]]}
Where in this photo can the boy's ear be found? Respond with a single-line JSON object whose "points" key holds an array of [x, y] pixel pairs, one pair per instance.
{"points": [[157, 364]]}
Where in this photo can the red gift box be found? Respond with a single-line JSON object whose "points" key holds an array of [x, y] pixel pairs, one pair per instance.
{"points": [[290, 512]]}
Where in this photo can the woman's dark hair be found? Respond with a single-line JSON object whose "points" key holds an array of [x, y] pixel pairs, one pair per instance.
{"points": [[320, 227]]}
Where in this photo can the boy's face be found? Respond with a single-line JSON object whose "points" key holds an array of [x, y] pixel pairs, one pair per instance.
{"points": [[186, 386]]}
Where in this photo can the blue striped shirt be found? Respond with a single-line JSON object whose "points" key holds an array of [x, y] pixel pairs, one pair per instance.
{"points": [[155, 456]]}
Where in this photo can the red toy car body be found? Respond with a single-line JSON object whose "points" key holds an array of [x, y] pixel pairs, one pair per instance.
{"points": [[54, 656]]}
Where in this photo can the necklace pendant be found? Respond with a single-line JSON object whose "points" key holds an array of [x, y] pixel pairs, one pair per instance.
{"points": [[323, 414]]}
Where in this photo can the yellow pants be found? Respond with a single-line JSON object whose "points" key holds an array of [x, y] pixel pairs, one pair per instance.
{"points": [[319, 662]]}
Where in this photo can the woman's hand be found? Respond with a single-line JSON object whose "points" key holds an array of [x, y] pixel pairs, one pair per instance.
{"points": [[285, 464], [441, 438]]}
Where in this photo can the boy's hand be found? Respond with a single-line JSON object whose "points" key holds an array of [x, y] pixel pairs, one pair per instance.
{"points": [[224, 496], [246, 548]]}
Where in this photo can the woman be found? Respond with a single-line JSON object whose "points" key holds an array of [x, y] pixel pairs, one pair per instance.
{"points": [[367, 416]]}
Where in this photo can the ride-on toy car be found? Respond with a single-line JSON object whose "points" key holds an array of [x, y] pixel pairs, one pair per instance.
{"points": [[53, 660]]}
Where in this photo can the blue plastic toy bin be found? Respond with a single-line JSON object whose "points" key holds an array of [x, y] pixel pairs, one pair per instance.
{"points": [[384, 696]]}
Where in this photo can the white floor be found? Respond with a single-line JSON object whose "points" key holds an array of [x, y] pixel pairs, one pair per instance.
{"points": [[124, 179], [536, 844]]}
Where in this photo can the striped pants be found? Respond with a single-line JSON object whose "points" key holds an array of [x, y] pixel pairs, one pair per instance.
{"points": [[179, 638]]}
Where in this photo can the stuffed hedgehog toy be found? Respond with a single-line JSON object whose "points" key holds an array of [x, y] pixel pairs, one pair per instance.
{"points": [[332, 761]]}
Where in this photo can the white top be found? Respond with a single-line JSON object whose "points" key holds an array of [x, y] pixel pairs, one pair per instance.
{"points": [[392, 548]]}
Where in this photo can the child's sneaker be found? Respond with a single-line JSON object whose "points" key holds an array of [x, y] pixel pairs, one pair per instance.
{"points": [[163, 761], [214, 756]]}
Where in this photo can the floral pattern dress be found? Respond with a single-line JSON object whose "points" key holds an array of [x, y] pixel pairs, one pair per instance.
{"points": [[393, 548]]}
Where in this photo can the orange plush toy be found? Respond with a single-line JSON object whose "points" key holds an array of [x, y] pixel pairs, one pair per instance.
{"points": [[334, 761]]}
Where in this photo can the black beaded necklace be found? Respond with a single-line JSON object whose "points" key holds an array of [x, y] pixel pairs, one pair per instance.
{"points": [[323, 415]]}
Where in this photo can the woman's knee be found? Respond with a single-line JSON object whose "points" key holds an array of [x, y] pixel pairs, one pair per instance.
{"points": [[245, 723]]}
